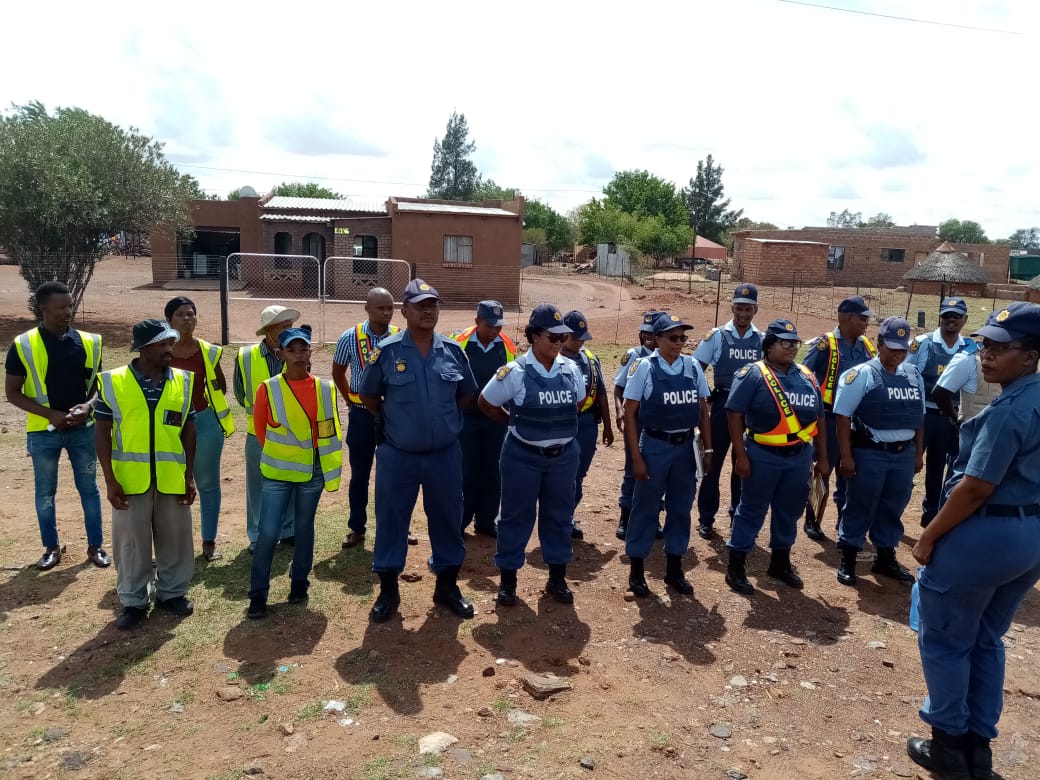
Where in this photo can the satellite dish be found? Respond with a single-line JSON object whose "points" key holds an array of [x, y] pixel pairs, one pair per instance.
{"points": [[247, 192]]}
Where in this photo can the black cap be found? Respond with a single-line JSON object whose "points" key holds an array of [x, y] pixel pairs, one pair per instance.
{"points": [[855, 304], [1019, 320], [417, 290], [783, 330], [148, 332], [545, 316], [668, 322], [575, 320]]}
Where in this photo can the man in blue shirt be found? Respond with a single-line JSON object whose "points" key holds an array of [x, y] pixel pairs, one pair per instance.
{"points": [[418, 381]]}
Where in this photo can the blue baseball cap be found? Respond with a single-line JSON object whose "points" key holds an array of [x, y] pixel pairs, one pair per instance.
{"points": [[649, 319], [783, 330], [289, 335], [957, 305], [855, 304], [491, 313], [668, 322], [746, 293], [1019, 320], [894, 333], [547, 317], [417, 290], [575, 320]]}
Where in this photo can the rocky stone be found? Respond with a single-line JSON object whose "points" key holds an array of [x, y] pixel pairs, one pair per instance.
{"points": [[73, 760], [809, 686], [177, 707], [587, 763], [253, 769], [288, 729], [230, 693], [461, 755], [37, 708], [902, 770], [436, 743], [720, 730], [542, 685], [493, 776], [738, 681], [889, 663], [485, 712], [735, 774], [488, 671], [53, 734], [411, 576], [521, 718], [876, 644], [429, 772], [295, 743]]}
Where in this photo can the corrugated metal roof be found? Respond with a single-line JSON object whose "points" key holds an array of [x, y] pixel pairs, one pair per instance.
{"points": [[450, 208], [372, 205], [292, 218], [784, 241]]}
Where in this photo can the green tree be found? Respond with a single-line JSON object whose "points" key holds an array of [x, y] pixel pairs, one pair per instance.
{"points": [[846, 219], [706, 204], [299, 189], [559, 234], [962, 232], [1025, 238], [70, 179], [453, 175], [654, 237], [488, 189], [601, 222], [642, 194], [744, 223], [879, 220]]}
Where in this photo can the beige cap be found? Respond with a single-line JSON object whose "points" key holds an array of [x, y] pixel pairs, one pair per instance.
{"points": [[272, 315]]}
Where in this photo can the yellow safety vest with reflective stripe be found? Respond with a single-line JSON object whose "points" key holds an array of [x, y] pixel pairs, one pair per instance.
{"points": [[592, 391], [830, 379], [139, 434], [33, 354], [253, 367], [463, 337], [789, 430], [217, 400], [288, 453], [362, 343]]}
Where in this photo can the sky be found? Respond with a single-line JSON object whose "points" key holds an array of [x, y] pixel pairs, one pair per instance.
{"points": [[808, 110]]}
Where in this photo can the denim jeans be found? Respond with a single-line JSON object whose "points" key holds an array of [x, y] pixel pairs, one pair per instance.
{"points": [[254, 489], [208, 448], [275, 497], [45, 449]]}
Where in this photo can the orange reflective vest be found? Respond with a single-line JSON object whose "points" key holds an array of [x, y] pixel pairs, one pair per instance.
{"points": [[789, 431], [363, 346], [592, 390], [830, 379], [463, 337]]}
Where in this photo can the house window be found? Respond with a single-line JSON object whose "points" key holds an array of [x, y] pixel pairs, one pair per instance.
{"points": [[458, 250], [893, 255], [366, 246], [314, 245], [283, 243], [835, 258]]}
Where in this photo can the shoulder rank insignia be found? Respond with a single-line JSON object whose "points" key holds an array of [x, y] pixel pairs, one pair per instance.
{"points": [[401, 366], [626, 358], [635, 367], [914, 346], [373, 356], [850, 377], [503, 372], [821, 343], [709, 334], [744, 370]]}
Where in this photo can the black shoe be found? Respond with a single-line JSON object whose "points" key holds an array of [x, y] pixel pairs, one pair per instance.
{"points": [[980, 756], [51, 557], [298, 592], [622, 528], [447, 593], [130, 618], [252, 547], [660, 533], [736, 577], [943, 755], [507, 588], [353, 539], [257, 607], [706, 531], [288, 541], [486, 530], [780, 568], [388, 601], [412, 539], [557, 584], [97, 556], [637, 579], [577, 533], [814, 531], [178, 605], [847, 566], [674, 576], [887, 566]]}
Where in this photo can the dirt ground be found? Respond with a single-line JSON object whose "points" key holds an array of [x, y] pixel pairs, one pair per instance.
{"points": [[822, 683]]}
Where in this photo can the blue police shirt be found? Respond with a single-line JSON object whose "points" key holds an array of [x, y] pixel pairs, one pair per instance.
{"points": [[420, 411], [857, 382], [751, 396], [961, 374], [1001, 445], [634, 353], [710, 351], [641, 379], [926, 343], [507, 387]]}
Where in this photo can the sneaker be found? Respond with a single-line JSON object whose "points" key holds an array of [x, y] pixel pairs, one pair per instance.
{"points": [[130, 618], [178, 605], [298, 593]]}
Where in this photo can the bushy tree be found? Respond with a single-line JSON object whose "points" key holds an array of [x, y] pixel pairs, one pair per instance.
{"points": [[846, 219], [488, 189], [962, 232], [709, 213], [540, 216], [299, 189], [879, 220], [642, 194], [1025, 238], [453, 175], [71, 179]]}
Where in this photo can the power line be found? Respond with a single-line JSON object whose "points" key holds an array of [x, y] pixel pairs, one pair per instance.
{"points": [[901, 18]]}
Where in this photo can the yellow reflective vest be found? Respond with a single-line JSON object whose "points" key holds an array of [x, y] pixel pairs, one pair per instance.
{"points": [[140, 434], [288, 453], [789, 431], [217, 400], [363, 347], [33, 354], [252, 366], [592, 390]]}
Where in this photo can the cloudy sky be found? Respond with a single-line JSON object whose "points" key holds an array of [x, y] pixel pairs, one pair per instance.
{"points": [[808, 110]]}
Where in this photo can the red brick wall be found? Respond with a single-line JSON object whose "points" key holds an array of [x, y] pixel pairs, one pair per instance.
{"points": [[781, 264], [243, 214]]}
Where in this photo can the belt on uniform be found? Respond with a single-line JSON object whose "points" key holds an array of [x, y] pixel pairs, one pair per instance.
{"points": [[884, 446], [939, 412], [671, 438], [1011, 510], [554, 451], [786, 451], [719, 393]]}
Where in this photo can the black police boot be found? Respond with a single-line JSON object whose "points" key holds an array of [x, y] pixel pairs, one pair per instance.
{"points": [[943, 755], [736, 578], [780, 568], [812, 526], [636, 579], [557, 584], [447, 593], [507, 588], [980, 756], [622, 528], [706, 530], [389, 598], [847, 567], [674, 575], [886, 565]]}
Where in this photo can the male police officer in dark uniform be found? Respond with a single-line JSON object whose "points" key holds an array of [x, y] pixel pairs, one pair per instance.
{"points": [[829, 355], [417, 381], [727, 350]]}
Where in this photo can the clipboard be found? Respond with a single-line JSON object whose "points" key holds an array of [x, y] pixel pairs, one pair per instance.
{"points": [[817, 495], [698, 453]]}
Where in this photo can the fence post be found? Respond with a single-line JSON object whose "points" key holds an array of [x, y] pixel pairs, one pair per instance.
{"points": [[224, 327]]}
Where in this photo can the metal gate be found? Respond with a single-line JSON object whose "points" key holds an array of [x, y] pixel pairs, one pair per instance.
{"points": [[260, 280], [348, 280]]}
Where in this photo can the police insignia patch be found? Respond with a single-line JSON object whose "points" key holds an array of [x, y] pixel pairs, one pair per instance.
{"points": [[581, 323], [1003, 315], [744, 370], [503, 372], [673, 318], [557, 316], [789, 326], [372, 358], [850, 377], [632, 371], [822, 344], [915, 345], [626, 358], [424, 287], [708, 334], [901, 332], [401, 366]]}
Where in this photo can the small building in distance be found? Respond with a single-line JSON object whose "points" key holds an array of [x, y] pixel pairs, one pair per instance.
{"points": [[703, 249]]}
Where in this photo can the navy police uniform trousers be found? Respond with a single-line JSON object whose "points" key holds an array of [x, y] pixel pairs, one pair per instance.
{"points": [[876, 497], [779, 483], [481, 441], [673, 472], [588, 435], [940, 442], [708, 498], [361, 451]]}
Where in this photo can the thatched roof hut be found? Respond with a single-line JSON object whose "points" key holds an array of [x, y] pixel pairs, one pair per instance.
{"points": [[948, 266]]}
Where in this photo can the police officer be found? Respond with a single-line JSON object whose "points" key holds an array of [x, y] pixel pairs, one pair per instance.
{"points": [[776, 422], [961, 375], [727, 350], [829, 355], [931, 353], [645, 348], [353, 350], [665, 401], [542, 390], [595, 408], [488, 349], [417, 381], [981, 554], [879, 410]]}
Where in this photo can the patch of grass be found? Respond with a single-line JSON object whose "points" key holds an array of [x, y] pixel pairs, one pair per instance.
{"points": [[231, 774], [127, 729], [659, 740], [359, 697], [185, 696], [381, 768], [501, 705], [518, 734], [309, 712], [551, 723], [406, 741], [431, 760]]}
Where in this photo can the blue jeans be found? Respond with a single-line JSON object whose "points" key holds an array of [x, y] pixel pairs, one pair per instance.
{"points": [[254, 487], [673, 473], [778, 483], [361, 451], [45, 449], [275, 498], [208, 448]]}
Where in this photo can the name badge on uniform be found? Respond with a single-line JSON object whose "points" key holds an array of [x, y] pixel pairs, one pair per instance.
{"points": [[173, 417], [326, 428]]}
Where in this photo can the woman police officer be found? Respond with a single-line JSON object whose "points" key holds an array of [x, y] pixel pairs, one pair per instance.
{"points": [[981, 554], [775, 419]]}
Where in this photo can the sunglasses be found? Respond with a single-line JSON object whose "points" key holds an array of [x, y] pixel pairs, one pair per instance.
{"points": [[996, 348], [951, 315], [789, 343], [677, 338], [556, 338]]}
